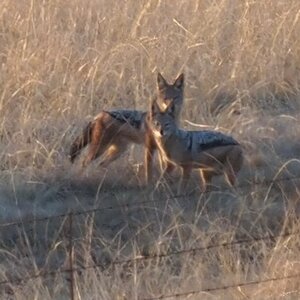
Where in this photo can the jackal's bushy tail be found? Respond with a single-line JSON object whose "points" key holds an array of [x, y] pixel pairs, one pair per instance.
{"points": [[81, 141]]}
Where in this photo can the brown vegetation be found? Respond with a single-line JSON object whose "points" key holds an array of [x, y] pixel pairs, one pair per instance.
{"points": [[63, 61]]}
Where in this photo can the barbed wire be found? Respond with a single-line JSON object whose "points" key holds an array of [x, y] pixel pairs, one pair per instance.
{"points": [[254, 239], [41, 273], [138, 203], [71, 270], [198, 249], [225, 287], [187, 293]]}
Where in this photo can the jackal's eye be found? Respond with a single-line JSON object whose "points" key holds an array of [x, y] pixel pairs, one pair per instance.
{"points": [[156, 123]]}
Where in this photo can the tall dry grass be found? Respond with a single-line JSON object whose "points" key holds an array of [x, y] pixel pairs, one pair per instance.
{"points": [[63, 61]]}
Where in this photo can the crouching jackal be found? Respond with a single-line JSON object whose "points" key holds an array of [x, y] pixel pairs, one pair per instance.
{"points": [[110, 133], [213, 152]]}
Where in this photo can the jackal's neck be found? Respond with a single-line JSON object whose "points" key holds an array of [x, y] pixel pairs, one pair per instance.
{"points": [[171, 133]]}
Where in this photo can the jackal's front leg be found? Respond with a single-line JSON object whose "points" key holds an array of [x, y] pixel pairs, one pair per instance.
{"points": [[150, 147], [186, 172], [165, 165], [168, 167]]}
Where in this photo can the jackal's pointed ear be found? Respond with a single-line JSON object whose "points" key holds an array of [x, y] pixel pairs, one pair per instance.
{"points": [[179, 81], [161, 82]]}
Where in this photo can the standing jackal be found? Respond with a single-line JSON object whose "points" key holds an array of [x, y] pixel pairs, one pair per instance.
{"points": [[212, 152], [110, 133]]}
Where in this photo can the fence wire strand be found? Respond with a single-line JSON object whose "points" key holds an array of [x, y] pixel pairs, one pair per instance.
{"points": [[224, 287], [45, 273], [155, 256]]}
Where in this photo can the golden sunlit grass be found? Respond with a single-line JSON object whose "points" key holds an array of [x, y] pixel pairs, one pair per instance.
{"points": [[63, 61]]}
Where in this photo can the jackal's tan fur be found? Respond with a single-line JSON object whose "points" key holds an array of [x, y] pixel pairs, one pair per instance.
{"points": [[110, 133], [212, 152]]}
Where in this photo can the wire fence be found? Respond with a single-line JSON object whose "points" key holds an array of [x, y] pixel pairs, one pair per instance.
{"points": [[224, 287], [72, 270]]}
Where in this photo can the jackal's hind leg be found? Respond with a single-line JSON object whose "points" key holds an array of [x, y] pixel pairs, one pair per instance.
{"points": [[95, 150], [233, 165], [205, 179], [229, 174], [98, 144]]}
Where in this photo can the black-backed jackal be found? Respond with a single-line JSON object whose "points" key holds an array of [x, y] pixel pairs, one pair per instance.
{"points": [[213, 152], [110, 133]]}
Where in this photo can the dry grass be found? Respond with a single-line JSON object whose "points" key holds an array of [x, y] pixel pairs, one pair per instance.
{"points": [[63, 61]]}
